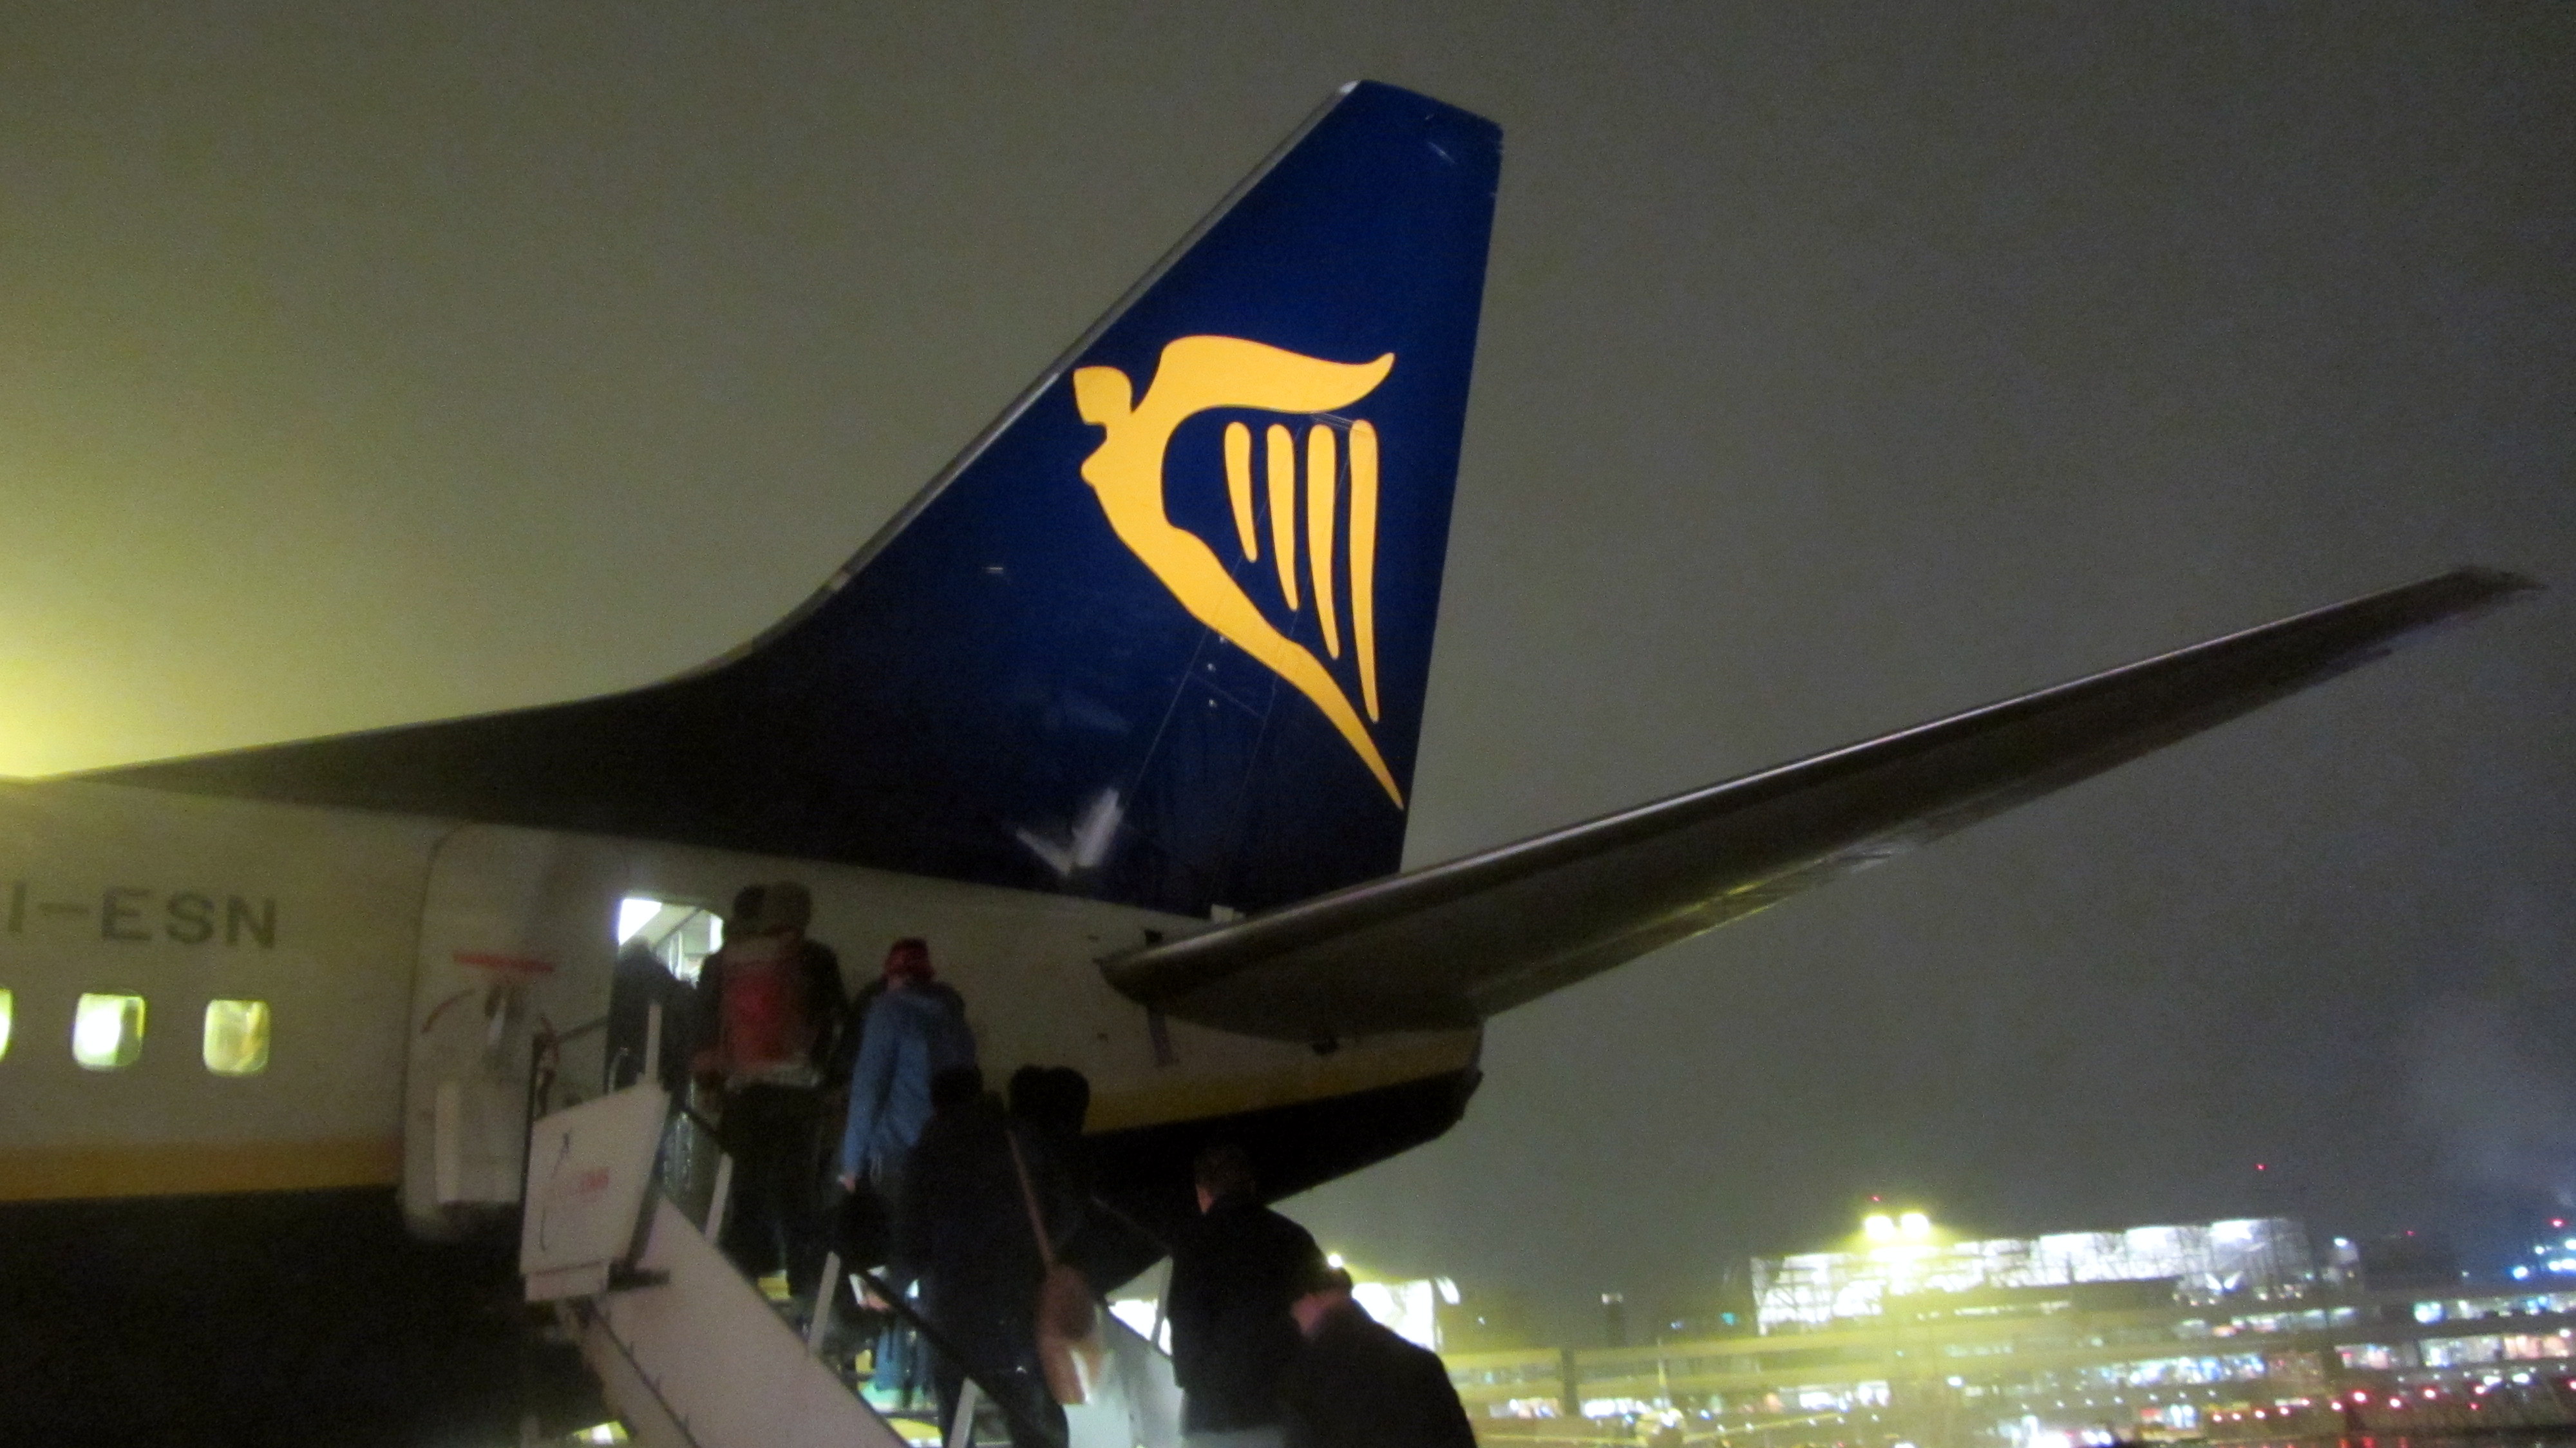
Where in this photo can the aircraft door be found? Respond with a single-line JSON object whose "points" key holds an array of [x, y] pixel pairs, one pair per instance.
{"points": [[516, 939]]}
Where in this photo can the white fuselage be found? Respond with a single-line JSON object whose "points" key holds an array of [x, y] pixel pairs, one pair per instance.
{"points": [[407, 964]]}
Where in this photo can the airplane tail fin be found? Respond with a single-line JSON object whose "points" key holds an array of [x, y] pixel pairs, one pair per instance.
{"points": [[1159, 636]]}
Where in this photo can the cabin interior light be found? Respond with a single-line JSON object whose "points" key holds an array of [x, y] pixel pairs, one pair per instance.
{"points": [[236, 1037], [633, 914], [107, 1031]]}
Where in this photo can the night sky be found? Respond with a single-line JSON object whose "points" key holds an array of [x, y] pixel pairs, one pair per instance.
{"points": [[1841, 368]]}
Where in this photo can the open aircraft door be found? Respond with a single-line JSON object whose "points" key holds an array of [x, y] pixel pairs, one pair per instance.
{"points": [[517, 941]]}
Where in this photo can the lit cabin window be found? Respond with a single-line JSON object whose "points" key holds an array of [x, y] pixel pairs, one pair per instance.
{"points": [[236, 1037], [107, 1031], [7, 1009]]}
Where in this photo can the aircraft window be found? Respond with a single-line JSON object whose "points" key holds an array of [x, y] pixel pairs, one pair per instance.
{"points": [[236, 1037], [7, 1002], [107, 1031]]}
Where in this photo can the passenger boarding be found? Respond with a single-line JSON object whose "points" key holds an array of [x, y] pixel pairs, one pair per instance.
{"points": [[1121, 713]]}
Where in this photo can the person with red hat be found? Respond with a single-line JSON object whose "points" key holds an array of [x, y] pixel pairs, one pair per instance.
{"points": [[915, 1029]]}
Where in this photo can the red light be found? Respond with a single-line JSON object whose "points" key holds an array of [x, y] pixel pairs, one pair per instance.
{"points": [[2258, 1166]]}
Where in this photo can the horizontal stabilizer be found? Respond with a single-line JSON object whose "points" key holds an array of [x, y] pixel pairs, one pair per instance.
{"points": [[1456, 943]]}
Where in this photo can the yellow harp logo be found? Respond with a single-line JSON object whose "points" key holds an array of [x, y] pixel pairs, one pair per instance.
{"points": [[1126, 474]]}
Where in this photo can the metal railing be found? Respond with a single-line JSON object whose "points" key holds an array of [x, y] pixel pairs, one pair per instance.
{"points": [[694, 1174], [547, 1091]]}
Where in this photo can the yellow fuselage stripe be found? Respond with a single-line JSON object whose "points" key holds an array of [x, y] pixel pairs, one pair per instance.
{"points": [[189, 1168]]}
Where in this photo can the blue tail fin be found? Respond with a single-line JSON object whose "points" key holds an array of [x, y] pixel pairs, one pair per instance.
{"points": [[1159, 636]]}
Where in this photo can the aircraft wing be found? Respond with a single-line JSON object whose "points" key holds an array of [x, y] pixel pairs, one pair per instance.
{"points": [[1451, 945]]}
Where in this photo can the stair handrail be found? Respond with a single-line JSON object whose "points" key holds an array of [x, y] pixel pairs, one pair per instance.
{"points": [[1124, 1218], [897, 1304], [1022, 1429], [545, 1059]]}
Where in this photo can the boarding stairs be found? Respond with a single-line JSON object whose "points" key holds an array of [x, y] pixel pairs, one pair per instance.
{"points": [[624, 1202]]}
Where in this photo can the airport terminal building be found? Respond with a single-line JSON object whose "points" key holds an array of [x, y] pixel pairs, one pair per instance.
{"points": [[2224, 1330]]}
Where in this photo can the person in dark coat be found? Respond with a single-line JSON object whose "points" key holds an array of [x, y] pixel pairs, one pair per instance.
{"points": [[1053, 1100], [1234, 1272], [1051, 1103], [638, 982], [962, 1230], [1356, 1384]]}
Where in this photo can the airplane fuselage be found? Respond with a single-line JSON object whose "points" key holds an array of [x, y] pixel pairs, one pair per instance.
{"points": [[406, 966]]}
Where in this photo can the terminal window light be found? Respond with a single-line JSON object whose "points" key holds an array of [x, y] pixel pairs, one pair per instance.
{"points": [[236, 1037], [107, 1031]]}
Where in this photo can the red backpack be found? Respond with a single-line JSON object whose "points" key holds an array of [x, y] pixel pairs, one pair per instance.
{"points": [[767, 1034]]}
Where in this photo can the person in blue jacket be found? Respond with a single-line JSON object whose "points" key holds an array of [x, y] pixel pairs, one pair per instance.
{"points": [[913, 1030], [910, 1027]]}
